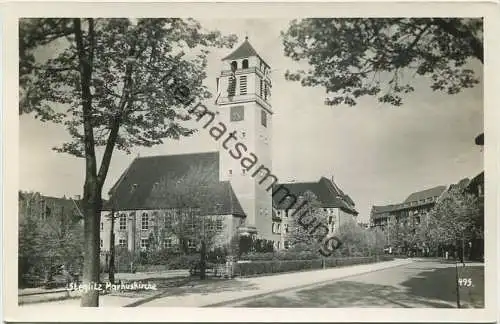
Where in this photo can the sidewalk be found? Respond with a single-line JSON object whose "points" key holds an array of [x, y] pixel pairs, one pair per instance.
{"points": [[211, 293], [241, 288], [63, 296]]}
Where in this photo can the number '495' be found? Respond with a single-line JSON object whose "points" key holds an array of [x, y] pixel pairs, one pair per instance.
{"points": [[465, 282]]}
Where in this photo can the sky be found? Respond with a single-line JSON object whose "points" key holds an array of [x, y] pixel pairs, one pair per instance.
{"points": [[376, 153]]}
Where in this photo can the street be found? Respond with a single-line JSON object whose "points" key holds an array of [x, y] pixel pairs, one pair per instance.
{"points": [[403, 283], [423, 283]]}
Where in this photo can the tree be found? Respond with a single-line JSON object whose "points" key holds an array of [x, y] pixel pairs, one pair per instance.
{"points": [[187, 202], [303, 230], [357, 241], [456, 218], [357, 57], [48, 238], [112, 83]]}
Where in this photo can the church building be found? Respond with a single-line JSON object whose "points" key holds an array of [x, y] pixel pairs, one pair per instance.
{"points": [[233, 196]]}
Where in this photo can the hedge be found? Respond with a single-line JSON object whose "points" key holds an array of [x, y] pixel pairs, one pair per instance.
{"points": [[280, 255], [277, 266]]}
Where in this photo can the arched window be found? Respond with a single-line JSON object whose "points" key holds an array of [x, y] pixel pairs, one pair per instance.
{"points": [[234, 66], [245, 64]]}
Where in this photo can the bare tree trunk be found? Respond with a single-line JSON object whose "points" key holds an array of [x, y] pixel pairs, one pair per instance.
{"points": [[91, 247], [112, 249], [92, 189]]}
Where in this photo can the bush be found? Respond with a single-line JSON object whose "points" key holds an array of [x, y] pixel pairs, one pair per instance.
{"points": [[218, 255], [263, 246], [123, 260], [281, 255], [276, 266]]}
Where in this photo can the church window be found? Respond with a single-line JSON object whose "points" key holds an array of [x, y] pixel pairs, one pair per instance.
{"points": [[243, 85], [234, 66], [230, 171], [243, 134], [145, 221], [123, 222], [244, 64], [231, 90], [102, 226], [102, 244], [263, 118], [122, 243]]}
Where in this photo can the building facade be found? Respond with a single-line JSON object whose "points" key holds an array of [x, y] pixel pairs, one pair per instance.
{"points": [[335, 206], [34, 204], [234, 194], [413, 209]]}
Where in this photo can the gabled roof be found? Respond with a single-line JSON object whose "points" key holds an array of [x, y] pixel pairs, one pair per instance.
{"points": [[245, 50], [384, 209], [133, 190], [325, 191], [424, 194]]}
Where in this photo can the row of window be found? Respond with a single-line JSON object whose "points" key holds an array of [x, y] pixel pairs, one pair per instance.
{"points": [[264, 90], [276, 228], [169, 219], [167, 243], [121, 243], [286, 245], [244, 65]]}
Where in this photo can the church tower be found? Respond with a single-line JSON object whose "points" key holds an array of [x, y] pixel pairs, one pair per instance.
{"points": [[243, 103]]}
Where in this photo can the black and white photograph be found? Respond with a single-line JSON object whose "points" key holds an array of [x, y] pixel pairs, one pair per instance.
{"points": [[285, 162]]}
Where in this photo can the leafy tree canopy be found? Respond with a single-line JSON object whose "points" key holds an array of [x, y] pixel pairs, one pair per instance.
{"points": [[359, 57], [135, 67], [456, 216]]}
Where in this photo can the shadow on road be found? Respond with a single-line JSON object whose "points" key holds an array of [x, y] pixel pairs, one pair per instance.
{"points": [[434, 288], [441, 284], [205, 287], [347, 294]]}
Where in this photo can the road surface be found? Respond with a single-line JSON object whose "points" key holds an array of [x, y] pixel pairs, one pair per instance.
{"points": [[424, 283]]}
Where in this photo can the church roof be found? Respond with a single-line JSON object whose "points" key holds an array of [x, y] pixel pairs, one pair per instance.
{"points": [[245, 50], [136, 188], [327, 193]]}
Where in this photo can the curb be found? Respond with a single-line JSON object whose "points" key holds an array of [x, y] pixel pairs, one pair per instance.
{"points": [[282, 290]]}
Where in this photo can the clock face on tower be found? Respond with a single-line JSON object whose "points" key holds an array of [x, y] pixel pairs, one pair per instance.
{"points": [[237, 113]]}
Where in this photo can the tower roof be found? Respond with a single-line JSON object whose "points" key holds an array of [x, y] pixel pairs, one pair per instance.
{"points": [[243, 51]]}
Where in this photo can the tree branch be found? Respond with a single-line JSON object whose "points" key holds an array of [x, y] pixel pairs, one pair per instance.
{"points": [[85, 81], [115, 125], [475, 44]]}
